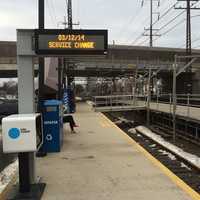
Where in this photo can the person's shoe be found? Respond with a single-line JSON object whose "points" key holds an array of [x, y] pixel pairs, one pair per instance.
{"points": [[73, 131]]}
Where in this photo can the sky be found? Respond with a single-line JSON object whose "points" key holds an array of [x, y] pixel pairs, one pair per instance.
{"points": [[125, 20]]}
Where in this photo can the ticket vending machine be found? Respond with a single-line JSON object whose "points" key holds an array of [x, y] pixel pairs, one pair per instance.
{"points": [[52, 126], [22, 133]]}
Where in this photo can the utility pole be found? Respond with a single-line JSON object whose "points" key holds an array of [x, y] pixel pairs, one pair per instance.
{"points": [[151, 24], [149, 97], [151, 29], [41, 25], [69, 14], [188, 9], [70, 27]]}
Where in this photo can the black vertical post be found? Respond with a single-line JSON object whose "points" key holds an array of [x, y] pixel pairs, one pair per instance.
{"points": [[24, 167], [41, 89], [188, 86], [24, 173], [151, 23], [41, 59], [60, 79], [70, 27]]}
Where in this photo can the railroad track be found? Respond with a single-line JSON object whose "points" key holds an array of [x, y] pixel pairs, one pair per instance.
{"points": [[189, 173]]}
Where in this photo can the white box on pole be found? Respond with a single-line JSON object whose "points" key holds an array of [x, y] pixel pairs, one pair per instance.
{"points": [[22, 133]]}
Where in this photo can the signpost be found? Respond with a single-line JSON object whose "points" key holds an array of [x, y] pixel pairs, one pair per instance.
{"points": [[47, 43], [71, 42]]}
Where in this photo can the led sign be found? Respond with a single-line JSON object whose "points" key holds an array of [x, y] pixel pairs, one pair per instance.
{"points": [[71, 42]]}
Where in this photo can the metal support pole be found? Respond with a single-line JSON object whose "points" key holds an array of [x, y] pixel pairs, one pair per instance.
{"points": [[60, 88], [170, 102], [41, 13], [24, 177], [157, 100], [41, 70], [64, 73], [151, 23], [149, 98], [26, 104], [135, 86], [188, 105], [174, 99]]}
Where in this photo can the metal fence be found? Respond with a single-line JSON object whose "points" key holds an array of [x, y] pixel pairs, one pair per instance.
{"points": [[119, 100], [188, 105]]}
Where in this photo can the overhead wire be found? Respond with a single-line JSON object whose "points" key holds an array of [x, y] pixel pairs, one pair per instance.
{"points": [[158, 20], [169, 22], [53, 9], [53, 19], [170, 29], [130, 21], [176, 25], [133, 19], [195, 40]]}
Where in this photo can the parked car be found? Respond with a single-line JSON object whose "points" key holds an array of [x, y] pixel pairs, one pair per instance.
{"points": [[8, 107]]}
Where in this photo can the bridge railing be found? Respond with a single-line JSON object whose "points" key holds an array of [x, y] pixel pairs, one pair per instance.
{"points": [[186, 103], [119, 101]]}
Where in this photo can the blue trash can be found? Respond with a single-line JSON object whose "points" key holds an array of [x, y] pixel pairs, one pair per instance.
{"points": [[52, 126]]}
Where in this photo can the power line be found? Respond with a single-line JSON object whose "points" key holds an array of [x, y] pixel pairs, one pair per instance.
{"points": [[173, 19], [163, 15], [198, 38], [165, 25], [172, 28], [132, 19], [151, 29], [188, 24], [53, 8], [50, 13]]}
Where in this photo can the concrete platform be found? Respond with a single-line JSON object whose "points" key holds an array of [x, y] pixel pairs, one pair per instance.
{"points": [[100, 162], [193, 113]]}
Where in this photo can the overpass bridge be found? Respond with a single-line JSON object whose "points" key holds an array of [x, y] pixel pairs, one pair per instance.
{"points": [[121, 60]]}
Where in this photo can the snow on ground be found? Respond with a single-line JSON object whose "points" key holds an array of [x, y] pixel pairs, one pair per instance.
{"points": [[171, 156], [121, 120], [7, 174], [193, 159], [91, 103]]}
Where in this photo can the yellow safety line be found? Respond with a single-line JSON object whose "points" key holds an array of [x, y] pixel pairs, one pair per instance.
{"points": [[164, 169], [104, 123]]}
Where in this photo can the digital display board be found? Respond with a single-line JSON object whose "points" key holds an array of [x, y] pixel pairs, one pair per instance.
{"points": [[71, 42]]}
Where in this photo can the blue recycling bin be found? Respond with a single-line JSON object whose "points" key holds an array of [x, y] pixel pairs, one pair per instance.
{"points": [[52, 126]]}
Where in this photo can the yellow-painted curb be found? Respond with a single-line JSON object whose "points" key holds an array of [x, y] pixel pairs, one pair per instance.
{"points": [[180, 183]]}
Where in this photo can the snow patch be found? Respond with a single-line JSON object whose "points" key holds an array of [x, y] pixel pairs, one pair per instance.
{"points": [[7, 174], [90, 103], [132, 130], [153, 145], [121, 120], [171, 156], [193, 159], [185, 166]]}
